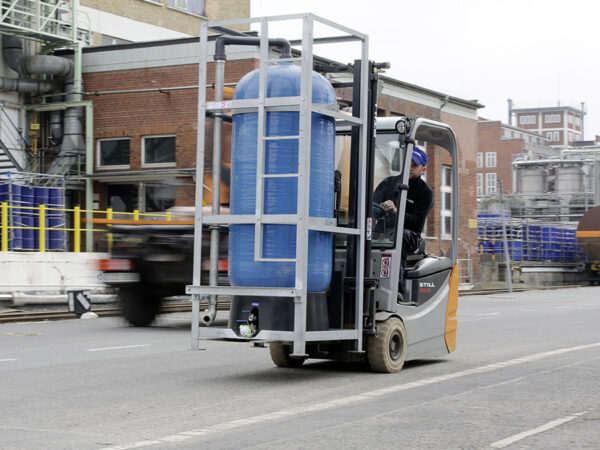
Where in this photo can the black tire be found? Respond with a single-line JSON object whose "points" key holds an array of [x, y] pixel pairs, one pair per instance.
{"points": [[138, 306], [387, 350], [280, 355]]}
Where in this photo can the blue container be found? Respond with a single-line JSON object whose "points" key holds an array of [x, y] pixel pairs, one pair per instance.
{"points": [[28, 217], [42, 197], [280, 194], [56, 219]]}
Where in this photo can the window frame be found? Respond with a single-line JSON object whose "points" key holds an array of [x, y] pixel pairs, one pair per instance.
{"points": [[159, 164], [479, 160], [173, 5], [479, 184], [491, 159], [491, 188], [101, 166], [445, 210]]}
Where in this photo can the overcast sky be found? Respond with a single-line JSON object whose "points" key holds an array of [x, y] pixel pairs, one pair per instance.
{"points": [[537, 52]]}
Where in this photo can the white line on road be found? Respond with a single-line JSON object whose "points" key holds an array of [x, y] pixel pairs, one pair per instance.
{"points": [[7, 359], [525, 434], [116, 348], [345, 401]]}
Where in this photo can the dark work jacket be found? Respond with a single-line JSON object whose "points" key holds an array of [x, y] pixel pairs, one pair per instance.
{"points": [[419, 200]]}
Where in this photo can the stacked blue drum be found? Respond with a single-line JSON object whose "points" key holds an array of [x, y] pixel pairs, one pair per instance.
{"points": [[528, 240], [23, 215], [280, 191]]}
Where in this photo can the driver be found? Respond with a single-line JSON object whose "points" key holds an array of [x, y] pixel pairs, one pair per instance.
{"points": [[419, 200]]}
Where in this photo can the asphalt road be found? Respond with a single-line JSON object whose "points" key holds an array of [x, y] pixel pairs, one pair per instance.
{"points": [[525, 375]]}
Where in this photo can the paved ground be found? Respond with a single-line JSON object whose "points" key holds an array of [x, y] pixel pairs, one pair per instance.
{"points": [[524, 375]]}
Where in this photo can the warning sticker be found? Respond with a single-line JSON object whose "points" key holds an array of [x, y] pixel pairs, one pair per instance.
{"points": [[386, 263]]}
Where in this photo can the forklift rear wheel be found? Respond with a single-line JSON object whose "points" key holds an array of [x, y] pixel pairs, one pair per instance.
{"points": [[280, 355], [387, 350], [138, 305]]}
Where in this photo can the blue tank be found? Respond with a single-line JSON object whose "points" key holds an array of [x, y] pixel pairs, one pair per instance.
{"points": [[280, 194]]}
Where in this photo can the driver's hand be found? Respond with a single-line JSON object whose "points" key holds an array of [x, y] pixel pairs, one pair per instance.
{"points": [[388, 205]]}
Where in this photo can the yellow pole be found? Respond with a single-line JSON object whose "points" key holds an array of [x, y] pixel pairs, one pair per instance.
{"points": [[169, 216], [136, 214], [42, 228], [4, 226], [109, 236], [77, 229]]}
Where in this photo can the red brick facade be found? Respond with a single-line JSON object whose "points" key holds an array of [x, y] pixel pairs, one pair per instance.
{"points": [[174, 112]]}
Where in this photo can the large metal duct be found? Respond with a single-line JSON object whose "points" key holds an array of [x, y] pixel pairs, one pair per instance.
{"points": [[12, 49]]}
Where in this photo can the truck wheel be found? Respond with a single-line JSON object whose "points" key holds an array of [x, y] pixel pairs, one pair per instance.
{"points": [[387, 350], [138, 306], [280, 355]]}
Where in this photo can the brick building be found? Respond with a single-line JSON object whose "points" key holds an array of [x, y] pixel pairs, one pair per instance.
{"points": [[145, 138], [498, 145], [560, 125]]}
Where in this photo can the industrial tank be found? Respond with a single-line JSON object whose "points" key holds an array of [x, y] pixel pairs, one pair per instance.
{"points": [[533, 180], [569, 179], [588, 234], [280, 193]]}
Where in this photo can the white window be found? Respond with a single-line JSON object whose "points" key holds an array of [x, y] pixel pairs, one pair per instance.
{"points": [[549, 135], [490, 183], [527, 120], [479, 160], [555, 136], [113, 153], [446, 195], [158, 151], [552, 118], [490, 159], [479, 184], [192, 6]]}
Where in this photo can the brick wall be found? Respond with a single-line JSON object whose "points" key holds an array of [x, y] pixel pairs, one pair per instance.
{"points": [[138, 114]]}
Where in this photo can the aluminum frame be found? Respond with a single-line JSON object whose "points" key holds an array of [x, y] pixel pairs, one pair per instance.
{"points": [[303, 103]]}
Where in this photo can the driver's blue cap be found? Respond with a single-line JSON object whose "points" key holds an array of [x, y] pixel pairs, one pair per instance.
{"points": [[419, 156]]}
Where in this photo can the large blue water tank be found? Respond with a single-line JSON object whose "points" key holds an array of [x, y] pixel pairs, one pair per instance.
{"points": [[280, 194]]}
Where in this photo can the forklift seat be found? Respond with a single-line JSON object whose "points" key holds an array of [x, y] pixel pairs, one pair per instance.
{"points": [[427, 266]]}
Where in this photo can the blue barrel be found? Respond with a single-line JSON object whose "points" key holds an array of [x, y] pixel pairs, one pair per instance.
{"points": [[41, 197], [280, 194], [56, 219], [28, 218]]}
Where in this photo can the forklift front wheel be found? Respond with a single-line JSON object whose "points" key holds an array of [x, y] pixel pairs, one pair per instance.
{"points": [[280, 355], [387, 350]]}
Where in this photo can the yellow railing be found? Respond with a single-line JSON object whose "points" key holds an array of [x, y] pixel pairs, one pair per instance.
{"points": [[78, 217]]}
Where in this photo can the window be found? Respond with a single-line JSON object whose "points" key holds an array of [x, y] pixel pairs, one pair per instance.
{"points": [[490, 183], [527, 120], [113, 153], [479, 184], [192, 6], [479, 160], [549, 135], [552, 118], [158, 151], [446, 197], [555, 136], [490, 159]]}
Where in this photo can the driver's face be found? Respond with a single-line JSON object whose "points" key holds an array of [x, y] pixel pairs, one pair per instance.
{"points": [[416, 170]]}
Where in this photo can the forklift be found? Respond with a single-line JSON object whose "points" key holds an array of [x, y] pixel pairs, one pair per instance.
{"points": [[365, 315]]}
